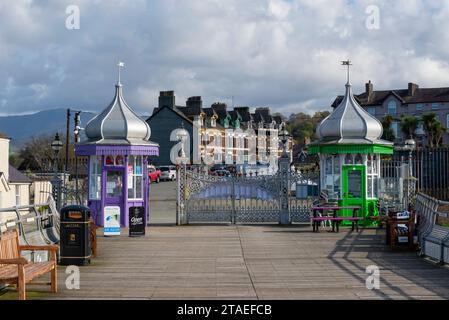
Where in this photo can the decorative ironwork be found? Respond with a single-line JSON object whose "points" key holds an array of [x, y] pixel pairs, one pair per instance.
{"points": [[242, 199]]}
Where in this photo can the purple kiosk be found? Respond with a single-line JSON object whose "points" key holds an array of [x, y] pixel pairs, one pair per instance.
{"points": [[118, 148]]}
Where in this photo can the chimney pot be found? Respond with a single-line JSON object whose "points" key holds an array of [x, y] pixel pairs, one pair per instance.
{"points": [[412, 88], [369, 89]]}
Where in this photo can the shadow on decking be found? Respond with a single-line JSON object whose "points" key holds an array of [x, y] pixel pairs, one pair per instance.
{"points": [[358, 242]]}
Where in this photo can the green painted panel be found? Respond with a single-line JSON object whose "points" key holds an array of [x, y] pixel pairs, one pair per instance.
{"points": [[354, 194], [350, 148]]}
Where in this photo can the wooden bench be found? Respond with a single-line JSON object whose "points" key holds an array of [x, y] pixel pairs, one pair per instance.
{"points": [[15, 269]]}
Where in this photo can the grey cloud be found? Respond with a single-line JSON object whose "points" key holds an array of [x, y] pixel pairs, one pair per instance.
{"points": [[283, 54]]}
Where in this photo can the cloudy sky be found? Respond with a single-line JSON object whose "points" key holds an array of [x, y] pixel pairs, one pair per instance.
{"points": [[279, 53]]}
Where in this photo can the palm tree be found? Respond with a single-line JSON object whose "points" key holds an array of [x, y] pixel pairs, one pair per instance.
{"points": [[409, 124], [388, 133], [433, 128]]}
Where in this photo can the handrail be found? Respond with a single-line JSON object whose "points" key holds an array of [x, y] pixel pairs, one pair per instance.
{"points": [[427, 210]]}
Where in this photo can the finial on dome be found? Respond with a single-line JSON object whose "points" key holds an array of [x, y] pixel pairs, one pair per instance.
{"points": [[119, 65], [348, 64]]}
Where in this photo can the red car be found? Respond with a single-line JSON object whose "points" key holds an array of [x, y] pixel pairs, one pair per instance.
{"points": [[154, 174]]}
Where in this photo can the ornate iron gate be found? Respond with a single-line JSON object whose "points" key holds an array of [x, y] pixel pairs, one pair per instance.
{"points": [[247, 199]]}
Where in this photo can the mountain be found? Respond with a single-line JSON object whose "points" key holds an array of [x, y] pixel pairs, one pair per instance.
{"points": [[20, 128]]}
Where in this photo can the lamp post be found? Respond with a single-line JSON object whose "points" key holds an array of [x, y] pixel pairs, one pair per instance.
{"points": [[181, 162], [56, 146], [284, 139], [409, 145]]}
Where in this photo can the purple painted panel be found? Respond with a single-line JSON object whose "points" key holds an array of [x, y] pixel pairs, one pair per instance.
{"points": [[92, 149]]}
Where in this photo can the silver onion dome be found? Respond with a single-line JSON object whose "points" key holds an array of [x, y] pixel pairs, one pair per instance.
{"points": [[350, 123], [118, 124]]}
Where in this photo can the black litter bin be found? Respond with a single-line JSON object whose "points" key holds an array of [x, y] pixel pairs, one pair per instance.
{"points": [[75, 243]]}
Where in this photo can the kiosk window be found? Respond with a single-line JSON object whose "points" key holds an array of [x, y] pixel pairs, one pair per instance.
{"points": [[355, 184]]}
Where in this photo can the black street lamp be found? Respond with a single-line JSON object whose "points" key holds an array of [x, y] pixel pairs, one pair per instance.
{"points": [[284, 135], [56, 146]]}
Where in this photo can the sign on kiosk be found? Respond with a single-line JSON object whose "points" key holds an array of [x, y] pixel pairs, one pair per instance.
{"points": [[136, 221], [112, 221]]}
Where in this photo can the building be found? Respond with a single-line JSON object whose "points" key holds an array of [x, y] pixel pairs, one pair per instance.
{"points": [[117, 144], [413, 101], [349, 147], [223, 134], [14, 185]]}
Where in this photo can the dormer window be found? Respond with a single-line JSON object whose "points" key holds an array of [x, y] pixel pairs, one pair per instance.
{"points": [[213, 122]]}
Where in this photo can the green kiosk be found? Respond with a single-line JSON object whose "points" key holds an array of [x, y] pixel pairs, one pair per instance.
{"points": [[349, 146]]}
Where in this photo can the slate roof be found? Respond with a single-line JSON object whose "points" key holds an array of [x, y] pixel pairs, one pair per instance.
{"points": [[244, 113], [15, 176], [421, 95], [210, 112]]}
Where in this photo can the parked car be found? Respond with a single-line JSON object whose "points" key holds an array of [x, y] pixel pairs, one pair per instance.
{"points": [[154, 174], [168, 173], [222, 173], [216, 167]]}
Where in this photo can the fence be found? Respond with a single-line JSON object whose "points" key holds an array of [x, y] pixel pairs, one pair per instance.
{"points": [[430, 167], [433, 237]]}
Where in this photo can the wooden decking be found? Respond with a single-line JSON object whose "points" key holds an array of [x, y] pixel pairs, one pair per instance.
{"points": [[251, 262]]}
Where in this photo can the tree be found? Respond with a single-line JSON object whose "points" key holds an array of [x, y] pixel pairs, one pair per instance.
{"points": [[409, 124], [388, 133], [434, 129], [302, 126], [37, 154]]}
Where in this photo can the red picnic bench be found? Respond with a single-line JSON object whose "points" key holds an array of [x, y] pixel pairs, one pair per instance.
{"points": [[316, 220]]}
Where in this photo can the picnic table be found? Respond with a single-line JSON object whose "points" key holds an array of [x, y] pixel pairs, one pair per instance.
{"points": [[316, 219]]}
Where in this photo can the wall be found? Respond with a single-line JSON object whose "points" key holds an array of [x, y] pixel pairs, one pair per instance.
{"points": [[162, 124], [4, 157], [40, 191]]}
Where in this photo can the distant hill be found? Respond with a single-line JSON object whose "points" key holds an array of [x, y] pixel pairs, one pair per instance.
{"points": [[21, 128]]}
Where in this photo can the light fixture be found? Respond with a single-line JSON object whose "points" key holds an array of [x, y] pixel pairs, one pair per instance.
{"points": [[56, 145]]}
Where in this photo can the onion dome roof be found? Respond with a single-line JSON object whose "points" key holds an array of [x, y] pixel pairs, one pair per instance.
{"points": [[118, 124], [349, 123]]}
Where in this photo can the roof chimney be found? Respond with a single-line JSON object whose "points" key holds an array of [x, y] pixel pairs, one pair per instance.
{"points": [[412, 88], [369, 89], [194, 102], [167, 99]]}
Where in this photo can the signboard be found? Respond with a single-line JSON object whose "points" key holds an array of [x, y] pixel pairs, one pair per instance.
{"points": [[136, 221], [112, 221]]}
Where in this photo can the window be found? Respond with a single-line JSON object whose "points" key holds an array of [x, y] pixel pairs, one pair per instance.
{"points": [[17, 187], [419, 107], [371, 110], [394, 126], [135, 177], [435, 106], [109, 161], [447, 120], [331, 181], [114, 184], [95, 178], [119, 161], [391, 107], [348, 159], [372, 176]]}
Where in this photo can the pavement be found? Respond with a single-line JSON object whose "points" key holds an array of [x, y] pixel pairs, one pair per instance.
{"points": [[245, 262]]}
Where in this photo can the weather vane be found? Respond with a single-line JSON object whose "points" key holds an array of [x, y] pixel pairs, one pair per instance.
{"points": [[347, 63], [120, 65]]}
